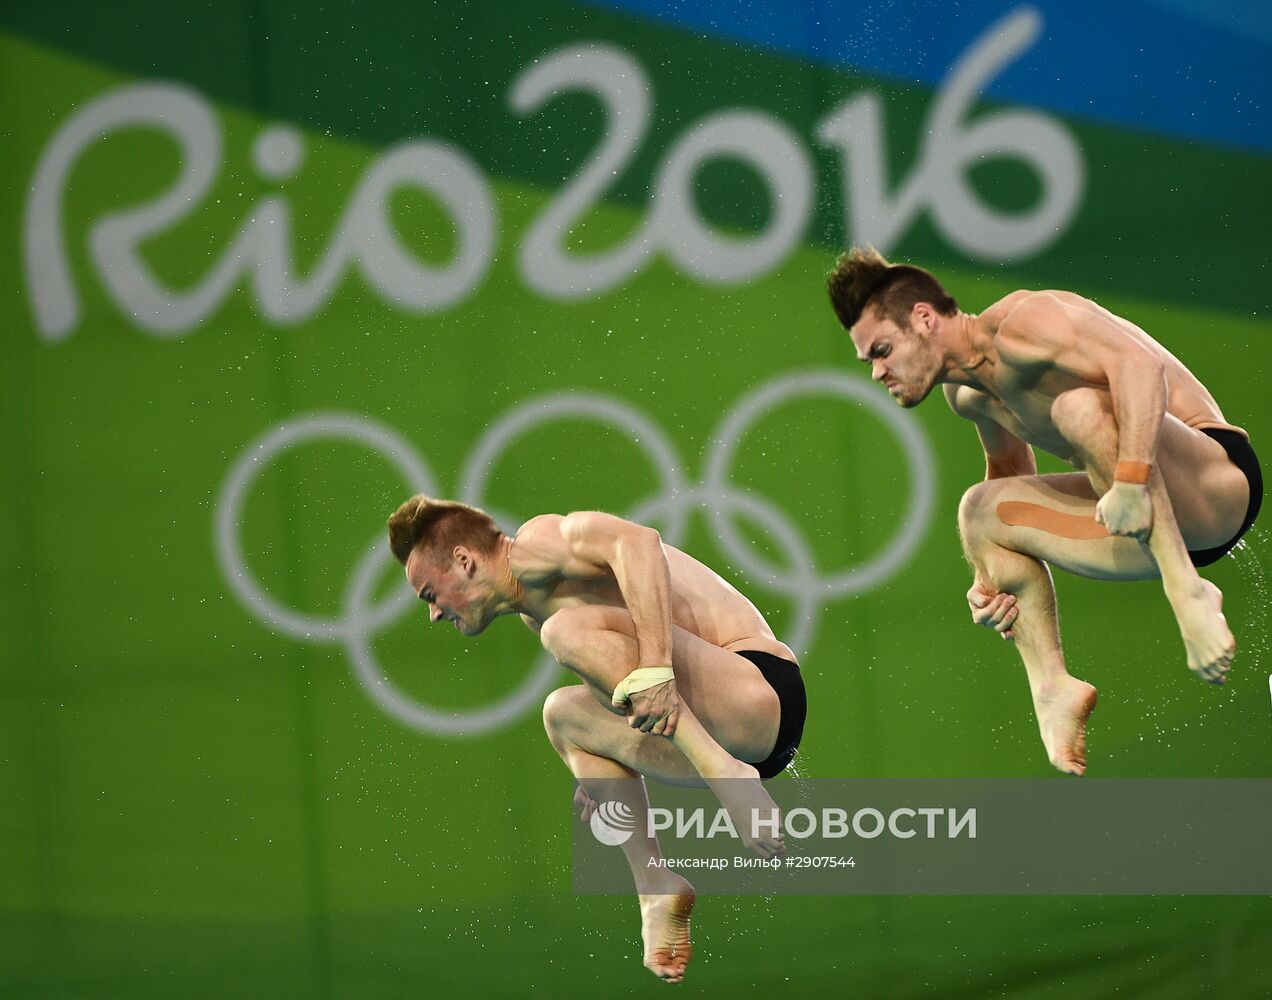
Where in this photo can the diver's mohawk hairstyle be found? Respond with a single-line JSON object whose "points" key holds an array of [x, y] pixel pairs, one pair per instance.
{"points": [[442, 524], [862, 278], [855, 278]]}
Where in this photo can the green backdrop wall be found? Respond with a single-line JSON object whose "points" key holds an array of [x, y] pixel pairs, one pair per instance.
{"points": [[272, 268]]}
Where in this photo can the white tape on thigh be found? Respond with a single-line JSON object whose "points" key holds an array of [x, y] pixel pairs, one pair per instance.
{"points": [[638, 680]]}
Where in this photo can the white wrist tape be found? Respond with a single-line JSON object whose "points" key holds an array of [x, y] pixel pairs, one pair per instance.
{"points": [[638, 680]]}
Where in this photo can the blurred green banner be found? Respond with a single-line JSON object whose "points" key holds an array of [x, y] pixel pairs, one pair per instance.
{"points": [[272, 269]]}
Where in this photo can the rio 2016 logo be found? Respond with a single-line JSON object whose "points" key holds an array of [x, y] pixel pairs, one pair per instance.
{"points": [[259, 254]]}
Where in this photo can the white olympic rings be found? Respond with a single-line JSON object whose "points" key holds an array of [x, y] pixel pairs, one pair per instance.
{"points": [[669, 509]]}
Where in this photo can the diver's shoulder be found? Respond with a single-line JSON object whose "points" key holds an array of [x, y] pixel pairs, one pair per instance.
{"points": [[993, 315]]}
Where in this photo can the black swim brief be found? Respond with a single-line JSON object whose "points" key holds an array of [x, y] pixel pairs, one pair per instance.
{"points": [[784, 678], [1243, 457]]}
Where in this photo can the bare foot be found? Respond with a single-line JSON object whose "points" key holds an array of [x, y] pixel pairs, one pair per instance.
{"points": [[1063, 709], [744, 797], [1207, 639], [664, 928]]}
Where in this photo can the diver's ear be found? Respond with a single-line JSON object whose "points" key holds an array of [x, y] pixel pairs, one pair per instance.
{"points": [[465, 558], [923, 317]]}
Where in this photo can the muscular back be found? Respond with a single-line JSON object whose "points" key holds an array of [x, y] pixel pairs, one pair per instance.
{"points": [[1051, 341], [702, 602]]}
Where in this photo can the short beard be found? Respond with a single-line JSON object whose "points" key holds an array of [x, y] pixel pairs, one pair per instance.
{"points": [[909, 404]]}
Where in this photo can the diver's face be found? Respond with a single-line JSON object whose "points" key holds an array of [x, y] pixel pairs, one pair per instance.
{"points": [[899, 357], [451, 588]]}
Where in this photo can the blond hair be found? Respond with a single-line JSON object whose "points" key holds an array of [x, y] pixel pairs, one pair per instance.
{"points": [[440, 525]]}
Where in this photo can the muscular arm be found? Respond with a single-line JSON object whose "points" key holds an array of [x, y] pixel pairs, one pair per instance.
{"points": [[1091, 346], [604, 550], [1005, 454], [1094, 348], [1137, 385], [634, 554]]}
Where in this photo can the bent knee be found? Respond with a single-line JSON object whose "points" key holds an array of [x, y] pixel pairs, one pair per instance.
{"points": [[561, 631], [571, 629], [978, 504], [1078, 414], [561, 709]]}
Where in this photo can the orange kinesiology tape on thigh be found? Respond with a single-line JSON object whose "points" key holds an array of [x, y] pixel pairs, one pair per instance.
{"points": [[1020, 514]]}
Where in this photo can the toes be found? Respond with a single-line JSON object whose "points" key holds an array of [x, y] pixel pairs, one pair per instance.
{"points": [[1216, 672], [1070, 760], [673, 972]]}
